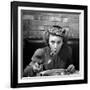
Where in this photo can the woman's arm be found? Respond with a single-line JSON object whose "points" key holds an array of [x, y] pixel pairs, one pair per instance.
{"points": [[70, 67], [36, 65]]}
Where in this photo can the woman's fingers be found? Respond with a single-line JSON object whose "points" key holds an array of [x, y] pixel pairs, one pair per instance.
{"points": [[36, 66], [71, 68], [53, 52]]}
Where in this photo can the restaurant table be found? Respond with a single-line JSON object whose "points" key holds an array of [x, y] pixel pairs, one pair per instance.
{"points": [[56, 72]]}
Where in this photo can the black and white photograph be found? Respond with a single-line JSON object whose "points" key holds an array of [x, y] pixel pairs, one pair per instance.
{"points": [[49, 46], [46, 50]]}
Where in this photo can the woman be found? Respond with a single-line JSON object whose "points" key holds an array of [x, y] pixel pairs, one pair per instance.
{"points": [[56, 55]]}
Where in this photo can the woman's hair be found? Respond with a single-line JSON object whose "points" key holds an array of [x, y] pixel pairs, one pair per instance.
{"points": [[55, 30]]}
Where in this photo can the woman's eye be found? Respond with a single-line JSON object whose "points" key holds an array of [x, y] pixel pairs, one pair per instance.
{"points": [[52, 42], [59, 42]]}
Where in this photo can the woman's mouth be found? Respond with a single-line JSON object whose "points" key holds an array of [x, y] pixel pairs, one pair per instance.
{"points": [[53, 53]]}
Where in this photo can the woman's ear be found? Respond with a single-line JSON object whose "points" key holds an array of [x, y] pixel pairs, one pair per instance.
{"points": [[64, 31], [46, 37]]}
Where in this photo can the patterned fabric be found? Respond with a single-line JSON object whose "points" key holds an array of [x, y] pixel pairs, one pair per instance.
{"points": [[57, 30]]}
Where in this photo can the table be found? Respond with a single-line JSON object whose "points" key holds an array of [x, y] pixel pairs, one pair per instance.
{"points": [[56, 72]]}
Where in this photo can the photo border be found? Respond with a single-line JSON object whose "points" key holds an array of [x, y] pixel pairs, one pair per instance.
{"points": [[14, 43]]}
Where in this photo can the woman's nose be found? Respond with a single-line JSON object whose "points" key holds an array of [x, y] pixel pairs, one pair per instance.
{"points": [[55, 46]]}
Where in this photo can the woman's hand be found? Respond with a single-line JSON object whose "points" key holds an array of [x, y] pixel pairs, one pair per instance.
{"points": [[53, 52], [37, 67], [71, 68]]}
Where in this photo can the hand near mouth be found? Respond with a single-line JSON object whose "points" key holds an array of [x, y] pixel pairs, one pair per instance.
{"points": [[53, 52]]}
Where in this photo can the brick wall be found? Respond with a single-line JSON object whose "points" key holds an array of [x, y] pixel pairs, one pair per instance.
{"points": [[35, 23]]}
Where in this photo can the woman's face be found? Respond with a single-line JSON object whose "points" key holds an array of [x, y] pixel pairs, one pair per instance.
{"points": [[55, 43]]}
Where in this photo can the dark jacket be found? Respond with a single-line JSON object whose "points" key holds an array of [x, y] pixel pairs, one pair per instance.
{"points": [[42, 56]]}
